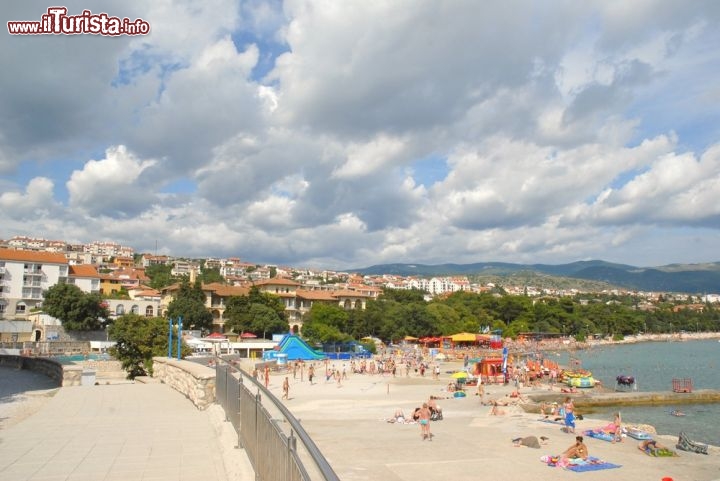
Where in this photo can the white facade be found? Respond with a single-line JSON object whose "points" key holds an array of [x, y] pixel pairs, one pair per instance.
{"points": [[86, 284], [142, 307], [24, 275]]}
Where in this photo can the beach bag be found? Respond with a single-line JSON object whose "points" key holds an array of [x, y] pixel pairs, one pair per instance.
{"points": [[686, 444]]}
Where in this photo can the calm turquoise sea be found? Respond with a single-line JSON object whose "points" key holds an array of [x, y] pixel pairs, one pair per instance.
{"points": [[654, 365]]}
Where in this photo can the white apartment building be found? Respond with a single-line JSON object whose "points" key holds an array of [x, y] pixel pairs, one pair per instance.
{"points": [[24, 275], [439, 285], [108, 249], [85, 277], [183, 268]]}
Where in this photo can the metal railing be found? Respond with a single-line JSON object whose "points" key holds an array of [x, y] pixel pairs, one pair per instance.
{"points": [[275, 442]]}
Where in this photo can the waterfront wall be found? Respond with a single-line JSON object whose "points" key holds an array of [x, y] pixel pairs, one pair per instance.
{"points": [[587, 399], [52, 369], [194, 381]]}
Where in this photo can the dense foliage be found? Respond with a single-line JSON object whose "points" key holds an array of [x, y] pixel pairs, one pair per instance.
{"points": [[138, 339], [76, 310], [398, 313], [160, 275], [260, 313], [189, 303]]}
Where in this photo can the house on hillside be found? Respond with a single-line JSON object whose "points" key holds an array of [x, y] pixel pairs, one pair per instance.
{"points": [[24, 276], [85, 277]]}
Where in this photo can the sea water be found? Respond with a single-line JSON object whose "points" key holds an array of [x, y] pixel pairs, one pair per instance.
{"points": [[654, 365]]}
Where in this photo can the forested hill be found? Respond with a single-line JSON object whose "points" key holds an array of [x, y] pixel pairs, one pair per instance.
{"points": [[689, 278]]}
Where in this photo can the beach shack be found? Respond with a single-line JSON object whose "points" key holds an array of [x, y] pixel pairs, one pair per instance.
{"points": [[490, 370]]}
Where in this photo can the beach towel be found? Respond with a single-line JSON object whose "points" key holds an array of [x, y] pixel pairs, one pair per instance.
{"points": [[578, 465], [592, 464], [660, 452], [599, 434]]}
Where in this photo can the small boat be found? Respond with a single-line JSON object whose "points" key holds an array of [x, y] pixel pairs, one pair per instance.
{"points": [[625, 380], [675, 412], [581, 381]]}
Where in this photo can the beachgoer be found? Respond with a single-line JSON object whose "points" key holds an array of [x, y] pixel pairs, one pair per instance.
{"points": [[481, 391], [424, 420], [577, 450], [286, 388], [569, 409], [617, 424], [267, 376], [435, 410], [311, 373], [653, 448], [495, 411], [416, 414]]}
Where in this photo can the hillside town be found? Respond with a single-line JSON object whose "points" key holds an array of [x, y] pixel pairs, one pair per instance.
{"points": [[29, 266]]}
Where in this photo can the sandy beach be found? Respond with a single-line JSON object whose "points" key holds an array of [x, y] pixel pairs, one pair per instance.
{"points": [[349, 425]]}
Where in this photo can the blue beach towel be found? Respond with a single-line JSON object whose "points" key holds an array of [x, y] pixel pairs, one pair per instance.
{"points": [[592, 464], [599, 435]]}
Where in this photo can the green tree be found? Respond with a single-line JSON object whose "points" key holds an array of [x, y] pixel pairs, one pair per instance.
{"points": [[137, 340], [210, 275], [189, 303], [325, 323], [160, 275], [76, 310], [265, 319], [251, 313]]}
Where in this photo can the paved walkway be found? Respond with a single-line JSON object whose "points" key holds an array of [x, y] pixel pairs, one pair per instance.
{"points": [[118, 432]]}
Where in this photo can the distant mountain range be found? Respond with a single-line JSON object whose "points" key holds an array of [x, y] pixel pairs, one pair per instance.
{"points": [[687, 278]]}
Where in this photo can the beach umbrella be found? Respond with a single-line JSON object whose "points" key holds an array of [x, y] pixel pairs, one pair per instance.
{"points": [[459, 375], [248, 335]]}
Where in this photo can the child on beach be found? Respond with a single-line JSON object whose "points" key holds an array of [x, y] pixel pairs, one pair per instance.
{"points": [[424, 420], [569, 409]]}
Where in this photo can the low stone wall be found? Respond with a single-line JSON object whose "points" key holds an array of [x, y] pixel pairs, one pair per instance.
{"points": [[52, 369], [195, 381]]}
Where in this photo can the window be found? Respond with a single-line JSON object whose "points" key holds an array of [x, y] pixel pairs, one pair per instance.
{"points": [[2, 308], [20, 308], [149, 311], [120, 310], [135, 309]]}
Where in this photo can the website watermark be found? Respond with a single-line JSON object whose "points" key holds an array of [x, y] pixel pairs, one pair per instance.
{"points": [[57, 22]]}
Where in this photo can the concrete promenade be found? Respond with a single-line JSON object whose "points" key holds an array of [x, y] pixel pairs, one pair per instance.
{"points": [[122, 432]]}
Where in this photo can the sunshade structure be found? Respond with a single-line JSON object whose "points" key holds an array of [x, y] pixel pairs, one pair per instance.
{"points": [[464, 337], [215, 336], [430, 340], [410, 339], [459, 375], [248, 335]]}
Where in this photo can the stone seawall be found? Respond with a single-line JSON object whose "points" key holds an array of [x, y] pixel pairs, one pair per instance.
{"points": [[587, 399], [193, 380], [52, 369]]}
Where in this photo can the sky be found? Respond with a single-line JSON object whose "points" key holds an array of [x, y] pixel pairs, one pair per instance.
{"points": [[343, 134]]}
